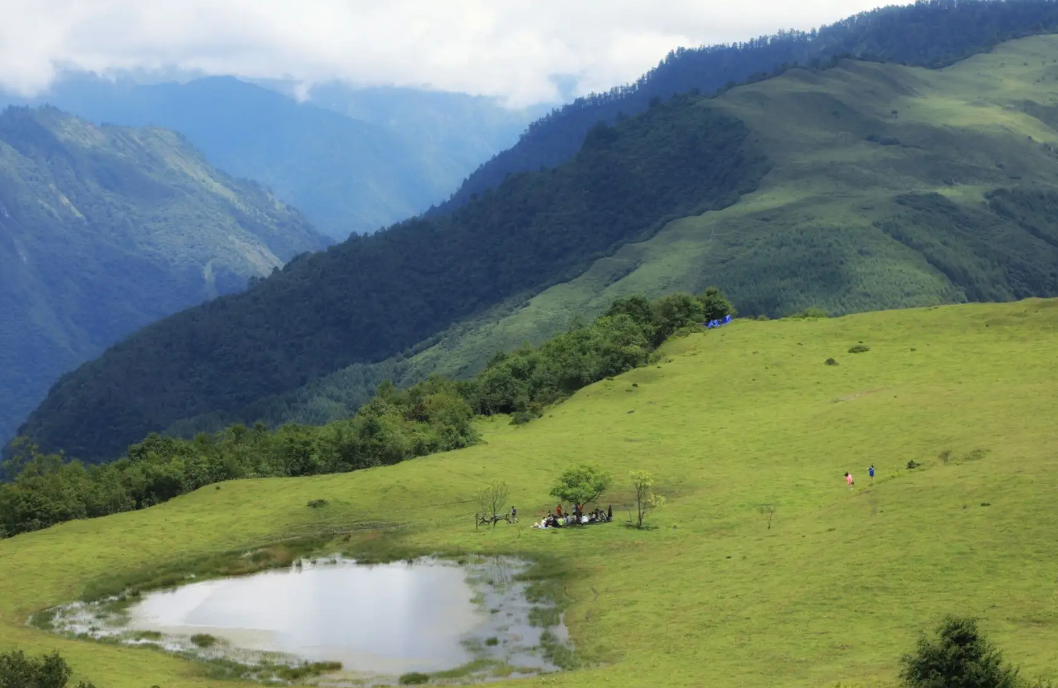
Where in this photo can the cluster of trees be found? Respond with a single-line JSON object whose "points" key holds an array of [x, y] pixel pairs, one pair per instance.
{"points": [[434, 416], [48, 671], [374, 297], [522, 382], [393, 426], [929, 33]]}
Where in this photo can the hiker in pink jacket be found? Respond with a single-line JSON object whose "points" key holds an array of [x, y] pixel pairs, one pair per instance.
{"points": [[848, 480]]}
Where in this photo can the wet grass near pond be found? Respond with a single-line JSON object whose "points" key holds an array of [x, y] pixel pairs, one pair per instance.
{"points": [[238, 562], [520, 602]]}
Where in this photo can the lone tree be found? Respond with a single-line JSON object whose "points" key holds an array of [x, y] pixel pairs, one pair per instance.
{"points": [[768, 512], [582, 484], [491, 501], [50, 671], [959, 657], [646, 499]]}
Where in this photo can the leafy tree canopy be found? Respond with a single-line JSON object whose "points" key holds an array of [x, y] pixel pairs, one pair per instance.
{"points": [[582, 484], [49, 671], [958, 657]]}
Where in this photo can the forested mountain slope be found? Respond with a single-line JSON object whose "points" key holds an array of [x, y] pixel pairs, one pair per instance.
{"points": [[373, 296], [929, 33], [883, 186], [355, 163], [106, 229], [889, 187]]}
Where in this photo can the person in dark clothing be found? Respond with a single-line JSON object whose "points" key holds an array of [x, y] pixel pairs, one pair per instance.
{"points": [[609, 513]]}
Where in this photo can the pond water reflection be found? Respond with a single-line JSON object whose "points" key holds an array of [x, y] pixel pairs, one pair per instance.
{"points": [[386, 618], [379, 621]]}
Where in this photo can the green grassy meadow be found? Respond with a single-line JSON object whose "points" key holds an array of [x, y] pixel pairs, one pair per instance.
{"points": [[834, 592]]}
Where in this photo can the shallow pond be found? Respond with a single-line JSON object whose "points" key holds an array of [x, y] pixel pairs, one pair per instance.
{"points": [[378, 621]]}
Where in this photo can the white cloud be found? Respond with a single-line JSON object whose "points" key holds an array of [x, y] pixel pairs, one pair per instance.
{"points": [[506, 48]]}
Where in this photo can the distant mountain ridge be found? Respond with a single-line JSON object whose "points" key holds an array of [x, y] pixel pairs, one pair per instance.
{"points": [[360, 160], [105, 229], [928, 33]]}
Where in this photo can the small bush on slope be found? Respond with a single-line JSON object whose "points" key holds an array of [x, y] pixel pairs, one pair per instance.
{"points": [[960, 657]]}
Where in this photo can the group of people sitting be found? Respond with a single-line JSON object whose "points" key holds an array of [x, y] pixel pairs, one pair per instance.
{"points": [[558, 519]]}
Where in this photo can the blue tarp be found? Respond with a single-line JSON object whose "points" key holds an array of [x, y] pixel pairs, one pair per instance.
{"points": [[719, 323]]}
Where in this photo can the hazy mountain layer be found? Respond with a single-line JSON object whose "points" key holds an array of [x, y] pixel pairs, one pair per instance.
{"points": [[104, 230]]}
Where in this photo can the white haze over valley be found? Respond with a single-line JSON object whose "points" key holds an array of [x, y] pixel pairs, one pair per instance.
{"points": [[510, 49]]}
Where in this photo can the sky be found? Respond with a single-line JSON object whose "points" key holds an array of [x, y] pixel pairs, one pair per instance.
{"points": [[510, 49]]}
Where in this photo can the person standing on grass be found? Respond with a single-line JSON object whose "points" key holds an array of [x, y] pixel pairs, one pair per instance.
{"points": [[558, 511], [514, 514], [848, 480], [870, 472]]}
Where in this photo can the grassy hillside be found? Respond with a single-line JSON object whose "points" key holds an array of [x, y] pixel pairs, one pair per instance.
{"points": [[105, 229], [928, 33], [889, 187], [834, 592]]}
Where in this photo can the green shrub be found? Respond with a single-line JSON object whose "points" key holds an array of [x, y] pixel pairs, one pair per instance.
{"points": [[296, 673], [912, 465], [810, 314], [715, 304], [414, 678], [958, 657], [493, 641], [522, 417], [317, 503], [831, 362], [203, 640], [859, 349], [49, 671]]}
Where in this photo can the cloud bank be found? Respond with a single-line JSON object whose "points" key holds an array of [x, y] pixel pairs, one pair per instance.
{"points": [[504, 48]]}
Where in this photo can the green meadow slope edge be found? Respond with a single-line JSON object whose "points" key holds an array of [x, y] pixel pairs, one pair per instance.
{"points": [[834, 591], [890, 187]]}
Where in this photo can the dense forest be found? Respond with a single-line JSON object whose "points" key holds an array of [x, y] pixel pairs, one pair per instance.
{"points": [[106, 229], [930, 33], [434, 416], [377, 295]]}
